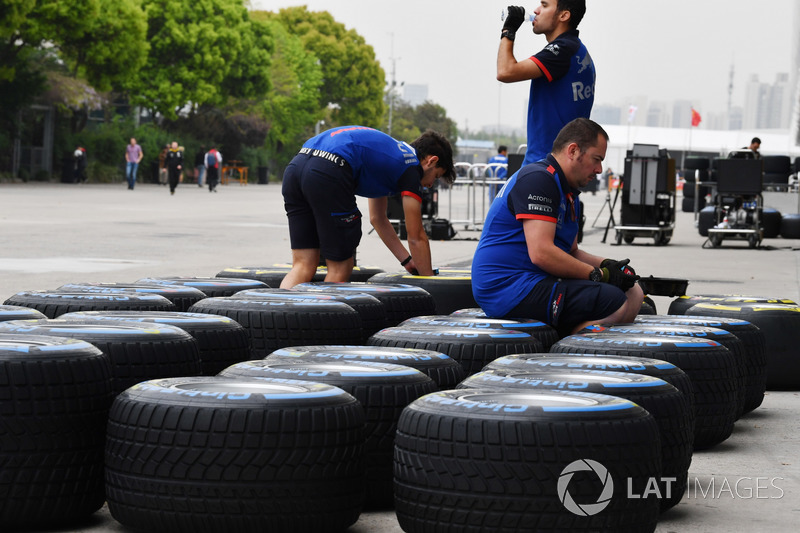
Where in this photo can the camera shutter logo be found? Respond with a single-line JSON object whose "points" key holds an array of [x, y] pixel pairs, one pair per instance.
{"points": [[586, 509]]}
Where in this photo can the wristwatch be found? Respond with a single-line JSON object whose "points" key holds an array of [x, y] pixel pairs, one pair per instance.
{"points": [[508, 34], [596, 275]]}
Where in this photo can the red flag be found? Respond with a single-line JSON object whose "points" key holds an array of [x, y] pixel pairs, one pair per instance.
{"points": [[696, 119]]}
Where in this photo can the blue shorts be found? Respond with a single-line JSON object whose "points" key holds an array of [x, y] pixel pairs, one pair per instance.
{"points": [[565, 303], [320, 202]]}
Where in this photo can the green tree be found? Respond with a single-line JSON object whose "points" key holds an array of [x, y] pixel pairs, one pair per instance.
{"points": [[353, 79], [408, 121]]}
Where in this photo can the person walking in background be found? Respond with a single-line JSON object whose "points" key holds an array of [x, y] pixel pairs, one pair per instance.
{"points": [[213, 163], [79, 164], [133, 156], [162, 165], [497, 171], [562, 74], [199, 165], [174, 162]]}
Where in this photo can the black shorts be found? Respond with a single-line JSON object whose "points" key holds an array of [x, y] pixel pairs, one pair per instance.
{"points": [[320, 202], [565, 303]]}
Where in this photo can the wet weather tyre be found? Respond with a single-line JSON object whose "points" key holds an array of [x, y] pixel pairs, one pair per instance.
{"points": [[472, 348], [274, 274], [667, 404], [56, 394], [706, 220], [211, 287], [545, 333], [221, 341], [710, 366], [181, 297], [55, 303], [505, 462], [136, 352], [209, 454], [451, 289], [17, 312], [401, 301], [383, 390], [752, 341], [445, 371], [780, 324], [273, 324], [680, 305], [790, 226], [771, 223]]}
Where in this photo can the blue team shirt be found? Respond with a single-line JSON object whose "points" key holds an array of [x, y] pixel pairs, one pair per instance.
{"points": [[502, 172], [564, 93], [502, 271], [382, 166]]}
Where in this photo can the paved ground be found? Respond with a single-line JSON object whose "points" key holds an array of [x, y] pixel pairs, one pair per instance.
{"points": [[51, 234]]}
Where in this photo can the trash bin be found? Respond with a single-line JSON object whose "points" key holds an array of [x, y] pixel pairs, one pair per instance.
{"points": [[263, 177]]}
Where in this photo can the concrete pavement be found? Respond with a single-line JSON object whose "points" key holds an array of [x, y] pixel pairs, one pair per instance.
{"points": [[51, 234]]}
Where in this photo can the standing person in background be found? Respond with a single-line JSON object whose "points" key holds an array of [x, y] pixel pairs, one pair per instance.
{"points": [[79, 164], [755, 144], [174, 162], [133, 156], [213, 164], [162, 165], [498, 172], [562, 74], [200, 165]]}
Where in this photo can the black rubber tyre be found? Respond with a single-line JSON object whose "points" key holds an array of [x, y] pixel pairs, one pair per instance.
{"points": [[221, 341], [181, 297], [475, 460], [471, 347], [687, 202], [137, 352], [210, 455], [273, 324], [401, 301], [790, 226], [647, 308], [273, 275], [211, 287], [706, 220], [383, 389], [17, 312], [680, 305], [56, 394], [724, 337], [752, 340], [668, 405], [451, 289], [780, 324], [369, 308], [469, 311], [546, 334], [696, 163], [710, 366], [54, 303], [771, 222], [445, 371]]}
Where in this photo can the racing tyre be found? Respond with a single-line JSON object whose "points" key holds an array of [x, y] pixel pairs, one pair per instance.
{"points": [[56, 394], [54, 303], [546, 334], [181, 297], [451, 289], [273, 275], [17, 312], [710, 366], [383, 390], [680, 305], [790, 226], [780, 324], [273, 324], [771, 222], [211, 287], [441, 368], [472, 348], [478, 460], [136, 352], [752, 341], [221, 341], [206, 454], [667, 404]]}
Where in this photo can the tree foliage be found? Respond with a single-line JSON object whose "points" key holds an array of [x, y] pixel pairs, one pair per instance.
{"points": [[409, 122]]}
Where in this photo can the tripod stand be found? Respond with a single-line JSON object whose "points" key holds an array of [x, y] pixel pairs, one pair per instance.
{"points": [[611, 222]]}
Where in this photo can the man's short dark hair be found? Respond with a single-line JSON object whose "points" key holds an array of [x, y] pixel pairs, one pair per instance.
{"points": [[502, 148], [582, 131], [434, 143], [576, 8], [755, 140]]}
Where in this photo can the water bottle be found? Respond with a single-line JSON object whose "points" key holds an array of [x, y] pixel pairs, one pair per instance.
{"points": [[528, 17]]}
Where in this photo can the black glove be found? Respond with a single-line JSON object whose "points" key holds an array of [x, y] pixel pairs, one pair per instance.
{"points": [[619, 265], [516, 15], [616, 275]]}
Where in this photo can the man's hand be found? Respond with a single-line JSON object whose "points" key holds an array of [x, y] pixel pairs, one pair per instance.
{"points": [[615, 274], [516, 15], [618, 265]]}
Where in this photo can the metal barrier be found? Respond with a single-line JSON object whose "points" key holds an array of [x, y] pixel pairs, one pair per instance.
{"points": [[468, 198]]}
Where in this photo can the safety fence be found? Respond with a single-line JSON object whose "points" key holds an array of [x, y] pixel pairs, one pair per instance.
{"points": [[467, 201]]}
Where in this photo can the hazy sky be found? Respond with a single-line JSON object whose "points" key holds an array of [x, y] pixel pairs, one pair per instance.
{"points": [[664, 50]]}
